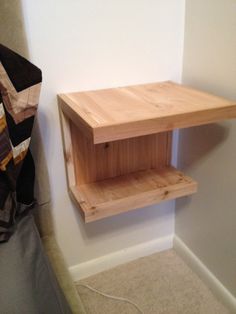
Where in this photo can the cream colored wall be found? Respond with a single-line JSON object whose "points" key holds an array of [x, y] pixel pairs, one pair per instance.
{"points": [[206, 222], [88, 44], [12, 32]]}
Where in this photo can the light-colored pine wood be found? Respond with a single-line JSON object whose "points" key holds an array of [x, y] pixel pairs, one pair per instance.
{"points": [[67, 149], [120, 194], [119, 113], [117, 144], [97, 162], [70, 110]]}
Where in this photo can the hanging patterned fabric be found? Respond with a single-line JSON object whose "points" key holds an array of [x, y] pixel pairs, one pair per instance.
{"points": [[20, 83]]}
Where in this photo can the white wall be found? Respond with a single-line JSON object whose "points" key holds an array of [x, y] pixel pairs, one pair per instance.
{"points": [[89, 44], [207, 221]]}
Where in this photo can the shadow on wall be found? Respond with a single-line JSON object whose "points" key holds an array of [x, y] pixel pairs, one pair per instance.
{"points": [[201, 140], [123, 221], [195, 145], [14, 37]]}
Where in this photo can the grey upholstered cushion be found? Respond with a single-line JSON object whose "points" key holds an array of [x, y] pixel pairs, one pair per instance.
{"points": [[27, 282]]}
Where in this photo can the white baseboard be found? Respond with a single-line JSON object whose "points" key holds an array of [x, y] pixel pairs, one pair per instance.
{"points": [[205, 274], [102, 263]]}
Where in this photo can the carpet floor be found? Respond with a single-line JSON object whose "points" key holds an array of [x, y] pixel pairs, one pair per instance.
{"points": [[159, 284]]}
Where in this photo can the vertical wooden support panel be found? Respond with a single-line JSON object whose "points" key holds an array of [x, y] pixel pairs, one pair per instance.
{"points": [[95, 162], [67, 149]]}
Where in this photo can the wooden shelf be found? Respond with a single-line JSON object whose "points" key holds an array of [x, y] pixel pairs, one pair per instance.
{"points": [[119, 194], [119, 113], [117, 144]]}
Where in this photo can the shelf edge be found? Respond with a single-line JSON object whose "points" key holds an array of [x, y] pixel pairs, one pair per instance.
{"points": [[126, 130], [115, 207]]}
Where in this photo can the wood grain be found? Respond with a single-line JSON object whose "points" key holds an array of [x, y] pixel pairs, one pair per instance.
{"points": [[119, 113], [117, 195], [67, 150], [97, 162], [117, 144]]}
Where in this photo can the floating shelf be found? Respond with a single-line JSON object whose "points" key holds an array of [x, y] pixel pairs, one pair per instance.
{"points": [[120, 194], [117, 144]]}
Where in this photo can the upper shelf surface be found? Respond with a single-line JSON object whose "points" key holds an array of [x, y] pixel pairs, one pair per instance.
{"points": [[119, 113]]}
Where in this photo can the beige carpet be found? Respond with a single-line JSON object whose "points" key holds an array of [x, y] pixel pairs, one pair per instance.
{"points": [[160, 284]]}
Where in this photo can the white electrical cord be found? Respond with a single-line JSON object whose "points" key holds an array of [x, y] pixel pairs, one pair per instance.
{"points": [[110, 296]]}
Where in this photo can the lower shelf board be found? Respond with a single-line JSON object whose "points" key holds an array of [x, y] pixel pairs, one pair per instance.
{"points": [[112, 196]]}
